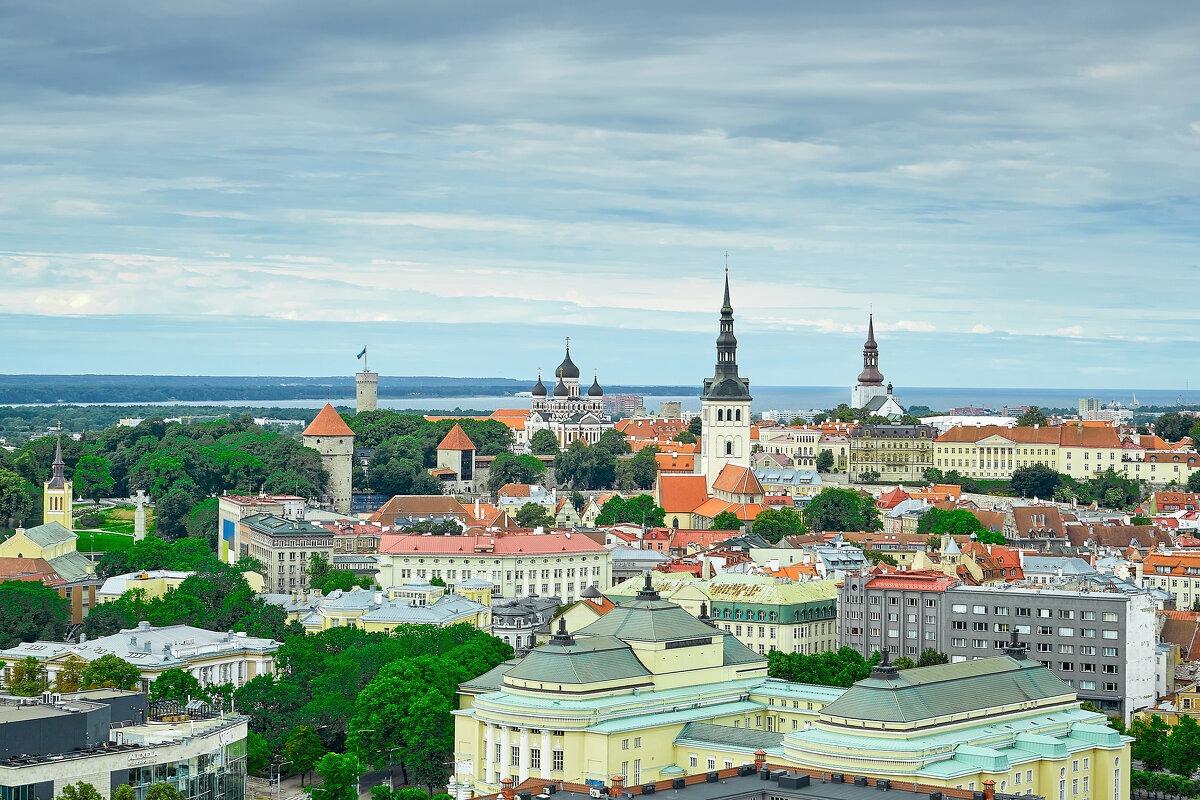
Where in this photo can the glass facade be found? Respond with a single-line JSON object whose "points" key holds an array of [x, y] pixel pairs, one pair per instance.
{"points": [[218, 775]]}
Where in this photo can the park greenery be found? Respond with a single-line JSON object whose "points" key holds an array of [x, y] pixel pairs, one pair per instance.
{"points": [[1158, 745], [956, 522], [325, 579], [775, 523], [599, 466], [534, 515], [833, 668], [928, 658], [842, 510], [31, 611], [726, 521]]}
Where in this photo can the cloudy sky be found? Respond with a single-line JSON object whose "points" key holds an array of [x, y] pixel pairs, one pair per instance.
{"points": [[236, 187]]}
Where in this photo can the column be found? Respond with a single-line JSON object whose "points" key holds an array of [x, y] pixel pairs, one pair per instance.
{"points": [[547, 763], [504, 766], [523, 771], [487, 754]]}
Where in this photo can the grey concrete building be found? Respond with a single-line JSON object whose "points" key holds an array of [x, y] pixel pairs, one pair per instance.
{"points": [[284, 547], [518, 620], [1100, 642]]}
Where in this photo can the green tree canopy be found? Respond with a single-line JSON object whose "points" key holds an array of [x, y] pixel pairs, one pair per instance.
{"points": [[175, 684], [930, 657], [834, 668], [110, 672], [824, 461], [28, 677], [1193, 482], [1032, 416], [532, 515], [92, 477], [1035, 480], [510, 468], [726, 521], [544, 443], [956, 522], [16, 498], [79, 791], [842, 510], [774, 523], [31, 611], [339, 777], [1183, 746], [1150, 741], [637, 510], [685, 437], [583, 467], [304, 749], [163, 791], [1172, 426], [70, 674], [695, 426], [639, 472]]}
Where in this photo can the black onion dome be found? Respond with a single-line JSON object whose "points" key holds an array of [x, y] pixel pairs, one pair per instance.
{"points": [[595, 391], [560, 389], [567, 368], [539, 388]]}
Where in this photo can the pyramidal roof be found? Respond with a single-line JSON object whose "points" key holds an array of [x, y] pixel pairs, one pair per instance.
{"points": [[456, 439], [328, 423]]}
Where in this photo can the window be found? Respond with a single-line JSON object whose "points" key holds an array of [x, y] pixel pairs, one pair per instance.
{"points": [[514, 756], [1110, 616], [1111, 652], [535, 758], [959, 608], [1066, 631], [1066, 648], [637, 741], [557, 765], [979, 609], [693, 762], [711, 763], [1088, 633], [1088, 615], [1087, 685], [1109, 634], [624, 744]]}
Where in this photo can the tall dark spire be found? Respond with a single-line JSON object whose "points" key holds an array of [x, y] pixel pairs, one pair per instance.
{"points": [[725, 383], [57, 478], [870, 376]]}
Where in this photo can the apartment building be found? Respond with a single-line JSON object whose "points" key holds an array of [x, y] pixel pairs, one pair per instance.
{"points": [[1101, 643], [1177, 573], [283, 547]]}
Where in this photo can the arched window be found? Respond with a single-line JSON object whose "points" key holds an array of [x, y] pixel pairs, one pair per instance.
{"points": [[737, 415], [729, 448], [674, 522], [720, 415]]}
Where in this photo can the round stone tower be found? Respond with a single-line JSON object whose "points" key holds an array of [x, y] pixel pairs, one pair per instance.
{"points": [[367, 383], [330, 436]]}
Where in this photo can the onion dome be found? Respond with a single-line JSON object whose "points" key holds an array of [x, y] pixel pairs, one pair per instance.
{"points": [[567, 368], [539, 388], [560, 388], [595, 391], [870, 376]]}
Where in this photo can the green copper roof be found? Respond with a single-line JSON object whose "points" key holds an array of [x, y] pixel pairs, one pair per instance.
{"points": [[490, 681], [928, 692], [735, 652], [649, 621], [590, 659], [705, 733]]}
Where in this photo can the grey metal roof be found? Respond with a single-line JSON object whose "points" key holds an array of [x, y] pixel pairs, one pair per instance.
{"points": [[72, 566], [444, 611], [588, 660], [149, 647], [726, 736], [50, 534], [649, 621]]}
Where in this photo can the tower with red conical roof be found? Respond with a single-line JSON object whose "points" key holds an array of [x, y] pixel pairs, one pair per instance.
{"points": [[330, 436]]}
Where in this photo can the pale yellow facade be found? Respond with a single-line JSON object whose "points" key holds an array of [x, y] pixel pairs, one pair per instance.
{"points": [[21, 545]]}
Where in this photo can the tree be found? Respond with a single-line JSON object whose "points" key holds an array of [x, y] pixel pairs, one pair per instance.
{"points": [[614, 441], [1036, 480], [695, 426], [111, 672], [930, 657], [533, 515], [904, 662], [1183, 746], [1150, 741], [842, 510], [685, 437], [842, 667], [878, 556], [79, 791], [932, 474], [773, 524], [640, 471], [510, 468], [339, 776], [1138, 519], [124, 792], [70, 674], [16, 500], [318, 569], [579, 501], [638, 510], [163, 791], [824, 461], [869, 476], [726, 521], [583, 467], [955, 522], [1114, 490], [171, 513], [1172, 426], [92, 477], [544, 443], [258, 754], [1032, 416], [31, 611], [304, 749], [28, 677], [175, 684], [1193, 482]]}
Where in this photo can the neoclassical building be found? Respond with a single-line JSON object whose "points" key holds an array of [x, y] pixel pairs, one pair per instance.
{"points": [[647, 691], [724, 405], [566, 411]]}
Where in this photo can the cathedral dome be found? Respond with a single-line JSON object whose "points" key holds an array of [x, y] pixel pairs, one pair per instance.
{"points": [[595, 391], [560, 389], [567, 368], [539, 388]]}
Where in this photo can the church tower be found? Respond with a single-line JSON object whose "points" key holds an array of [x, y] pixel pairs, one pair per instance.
{"points": [[870, 380], [725, 405], [58, 493]]}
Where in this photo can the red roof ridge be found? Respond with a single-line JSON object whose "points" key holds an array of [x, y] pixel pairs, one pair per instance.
{"points": [[456, 439]]}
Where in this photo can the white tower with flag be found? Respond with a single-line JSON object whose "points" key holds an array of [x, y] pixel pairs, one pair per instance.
{"points": [[367, 387]]}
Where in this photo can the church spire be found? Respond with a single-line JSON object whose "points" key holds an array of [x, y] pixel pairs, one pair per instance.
{"points": [[57, 478], [726, 383], [870, 376]]}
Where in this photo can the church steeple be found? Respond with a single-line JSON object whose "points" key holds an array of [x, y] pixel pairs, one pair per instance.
{"points": [[57, 477], [870, 376], [58, 493], [726, 383]]}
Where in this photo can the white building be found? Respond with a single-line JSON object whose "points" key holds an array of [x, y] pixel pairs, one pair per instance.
{"points": [[568, 413], [724, 406]]}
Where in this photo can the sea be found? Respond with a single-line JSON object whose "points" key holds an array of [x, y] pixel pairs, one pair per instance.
{"points": [[766, 398]]}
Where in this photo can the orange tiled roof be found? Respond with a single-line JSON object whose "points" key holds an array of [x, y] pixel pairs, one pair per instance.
{"points": [[746, 512], [736, 479], [328, 423], [675, 462], [456, 439], [515, 490], [682, 493]]}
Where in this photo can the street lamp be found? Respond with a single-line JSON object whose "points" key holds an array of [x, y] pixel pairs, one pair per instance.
{"points": [[391, 772], [358, 780], [278, 774]]}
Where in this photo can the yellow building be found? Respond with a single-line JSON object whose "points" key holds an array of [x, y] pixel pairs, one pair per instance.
{"points": [[151, 583], [411, 604], [58, 493], [649, 692]]}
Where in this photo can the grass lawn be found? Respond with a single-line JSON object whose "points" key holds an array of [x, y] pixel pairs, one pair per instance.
{"points": [[115, 532], [103, 541]]}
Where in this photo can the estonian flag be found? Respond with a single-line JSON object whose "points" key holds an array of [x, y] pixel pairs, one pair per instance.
{"points": [[363, 353]]}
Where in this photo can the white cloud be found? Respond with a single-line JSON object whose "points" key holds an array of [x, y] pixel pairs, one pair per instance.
{"points": [[982, 329]]}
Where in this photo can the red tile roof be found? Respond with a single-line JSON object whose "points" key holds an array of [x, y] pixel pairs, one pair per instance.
{"points": [[328, 423], [456, 439], [681, 493], [736, 479], [498, 544], [919, 580], [746, 512]]}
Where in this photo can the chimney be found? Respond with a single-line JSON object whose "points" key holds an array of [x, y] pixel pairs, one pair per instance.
{"points": [[989, 789], [760, 759], [617, 786], [506, 789]]}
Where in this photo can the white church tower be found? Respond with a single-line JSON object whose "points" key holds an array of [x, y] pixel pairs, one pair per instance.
{"points": [[725, 405]]}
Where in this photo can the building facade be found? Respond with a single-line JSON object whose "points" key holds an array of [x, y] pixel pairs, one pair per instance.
{"points": [[898, 453], [284, 547], [725, 405], [567, 412]]}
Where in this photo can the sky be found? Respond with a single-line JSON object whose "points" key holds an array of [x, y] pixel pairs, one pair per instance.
{"points": [[264, 188]]}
